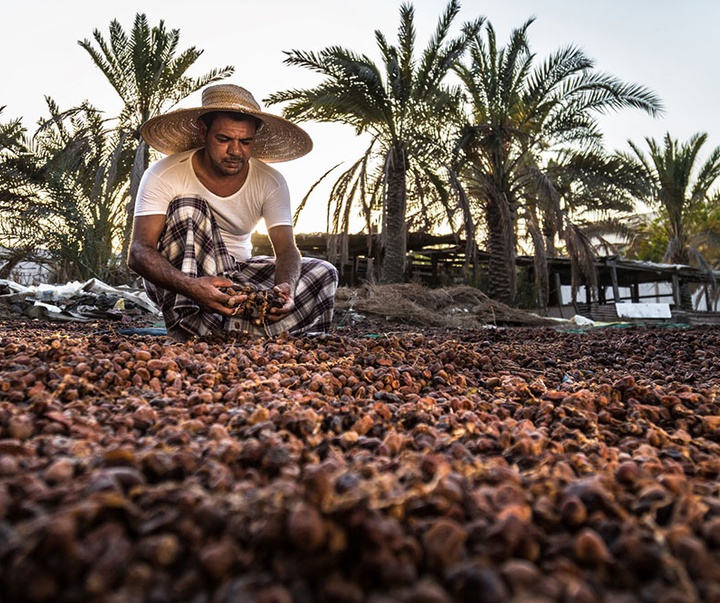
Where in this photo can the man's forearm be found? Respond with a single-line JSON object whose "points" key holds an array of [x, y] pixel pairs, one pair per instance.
{"points": [[154, 267], [287, 268]]}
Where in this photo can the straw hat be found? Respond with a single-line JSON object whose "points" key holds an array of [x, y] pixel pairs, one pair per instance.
{"points": [[277, 139]]}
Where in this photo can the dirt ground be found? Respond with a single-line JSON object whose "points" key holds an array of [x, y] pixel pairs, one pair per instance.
{"points": [[472, 456]]}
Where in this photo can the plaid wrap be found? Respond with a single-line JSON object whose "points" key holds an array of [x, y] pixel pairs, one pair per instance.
{"points": [[192, 243]]}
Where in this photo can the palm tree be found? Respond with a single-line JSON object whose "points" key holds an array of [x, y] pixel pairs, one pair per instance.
{"points": [[684, 194], [14, 154], [582, 200], [71, 178], [402, 106], [149, 75], [16, 188], [521, 114]]}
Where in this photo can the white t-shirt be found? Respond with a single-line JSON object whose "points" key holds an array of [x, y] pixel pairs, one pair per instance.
{"points": [[264, 195]]}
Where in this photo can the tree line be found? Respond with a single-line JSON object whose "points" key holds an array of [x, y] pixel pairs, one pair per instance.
{"points": [[466, 135]]}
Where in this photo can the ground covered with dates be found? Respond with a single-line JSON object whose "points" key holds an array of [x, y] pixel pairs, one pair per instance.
{"points": [[377, 463]]}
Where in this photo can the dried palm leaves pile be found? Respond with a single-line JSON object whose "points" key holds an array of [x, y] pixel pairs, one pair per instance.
{"points": [[461, 306], [507, 465]]}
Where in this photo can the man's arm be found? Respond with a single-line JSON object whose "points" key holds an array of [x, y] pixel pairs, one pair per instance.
{"points": [[287, 268], [145, 259]]}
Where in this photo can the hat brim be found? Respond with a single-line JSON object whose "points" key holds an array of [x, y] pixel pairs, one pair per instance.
{"points": [[277, 139]]}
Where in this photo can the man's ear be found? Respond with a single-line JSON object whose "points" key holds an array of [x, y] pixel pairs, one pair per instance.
{"points": [[202, 128]]}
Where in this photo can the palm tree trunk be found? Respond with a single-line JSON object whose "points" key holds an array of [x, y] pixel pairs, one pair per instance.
{"points": [[678, 253], [502, 278], [470, 266], [392, 267], [540, 260], [141, 163]]}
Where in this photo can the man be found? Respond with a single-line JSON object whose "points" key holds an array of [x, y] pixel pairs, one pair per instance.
{"points": [[196, 210]]}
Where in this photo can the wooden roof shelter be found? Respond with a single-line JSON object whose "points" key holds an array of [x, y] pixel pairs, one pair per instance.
{"points": [[439, 261]]}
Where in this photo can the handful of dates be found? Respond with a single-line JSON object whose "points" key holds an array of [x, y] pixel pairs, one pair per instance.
{"points": [[252, 303]]}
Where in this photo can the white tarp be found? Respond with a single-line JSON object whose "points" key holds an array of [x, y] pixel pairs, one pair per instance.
{"points": [[643, 310], [74, 300]]}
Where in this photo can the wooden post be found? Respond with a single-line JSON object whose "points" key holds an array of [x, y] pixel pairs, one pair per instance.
{"points": [[558, 289], [707, 298], [615, 284]]}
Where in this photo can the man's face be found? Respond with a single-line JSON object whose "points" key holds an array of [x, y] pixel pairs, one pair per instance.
{"points": [[228, 144]]}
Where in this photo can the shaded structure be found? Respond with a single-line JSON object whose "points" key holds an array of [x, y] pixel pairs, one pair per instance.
{"points": [[440, 261], [622, 281]]}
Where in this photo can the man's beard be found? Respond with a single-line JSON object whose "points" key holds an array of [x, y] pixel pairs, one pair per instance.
{"points": [[230, 167]]}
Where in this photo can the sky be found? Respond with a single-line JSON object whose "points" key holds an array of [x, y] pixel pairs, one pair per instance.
{"points": [[670, 47]]}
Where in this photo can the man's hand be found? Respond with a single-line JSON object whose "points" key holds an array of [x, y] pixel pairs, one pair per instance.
{"points": [[287, 270], [205, 290], [286, 293]]}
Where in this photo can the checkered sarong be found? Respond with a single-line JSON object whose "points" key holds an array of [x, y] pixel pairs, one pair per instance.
{"points": [[192, 243]]}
